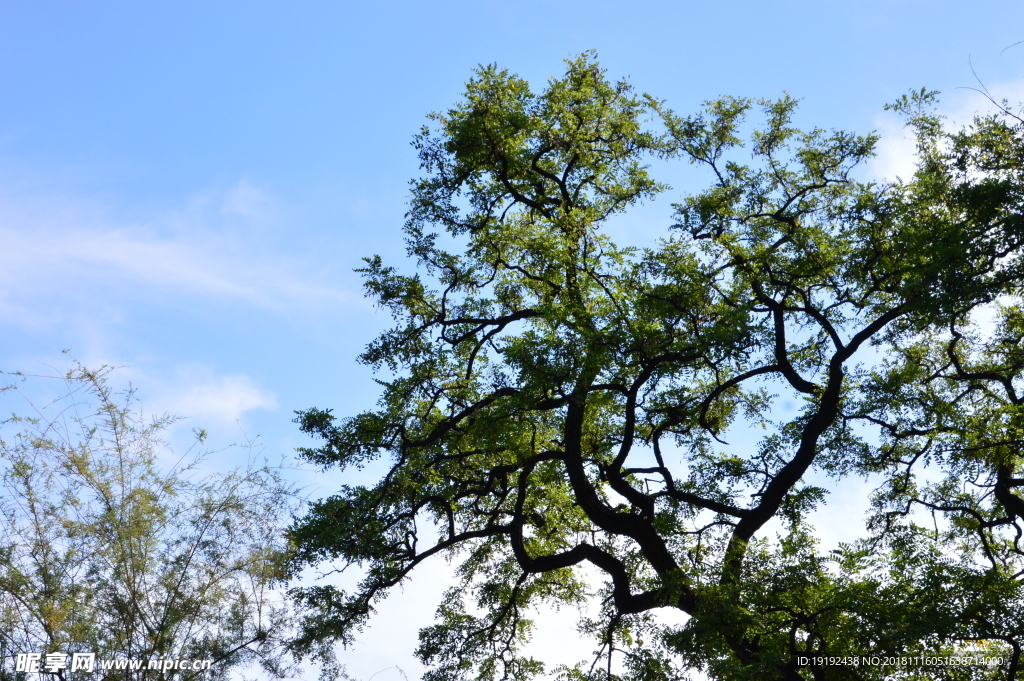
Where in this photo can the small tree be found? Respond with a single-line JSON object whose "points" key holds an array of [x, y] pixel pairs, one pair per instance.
{"points": [[104, 552], [553, 400]]}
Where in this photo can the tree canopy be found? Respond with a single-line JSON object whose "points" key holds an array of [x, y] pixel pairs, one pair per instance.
{"points": [[103, 551], [557, 406]]}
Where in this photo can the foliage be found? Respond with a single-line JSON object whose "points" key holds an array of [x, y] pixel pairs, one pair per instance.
{"points": [[553, 400], [104, 552]]}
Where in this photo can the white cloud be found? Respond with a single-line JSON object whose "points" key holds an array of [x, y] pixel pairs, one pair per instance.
{"points": [[202, 396], [224, 399], [896, 152]]}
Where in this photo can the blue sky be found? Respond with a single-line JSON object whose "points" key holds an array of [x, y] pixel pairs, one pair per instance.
{"points": [[185, 187]]}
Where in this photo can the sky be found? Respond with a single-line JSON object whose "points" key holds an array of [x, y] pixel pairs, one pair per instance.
{"points": [[186, 187]]}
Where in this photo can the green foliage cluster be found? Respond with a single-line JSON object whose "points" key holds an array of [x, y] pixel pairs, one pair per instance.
{"points": [[556, 404], [103, 551]]}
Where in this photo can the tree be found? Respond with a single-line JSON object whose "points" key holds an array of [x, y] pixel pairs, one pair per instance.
{"points": [[103, 552], [553, 401]]}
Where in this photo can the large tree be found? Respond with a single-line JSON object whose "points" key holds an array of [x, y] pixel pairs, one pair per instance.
{"points": [[557, 406]]}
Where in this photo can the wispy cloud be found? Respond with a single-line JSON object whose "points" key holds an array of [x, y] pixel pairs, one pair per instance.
{"points": [[248, 201], [216, 246]]}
